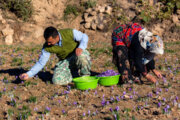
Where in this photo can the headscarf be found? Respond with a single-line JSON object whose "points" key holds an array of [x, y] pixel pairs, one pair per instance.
{"points": [[151, 43]]}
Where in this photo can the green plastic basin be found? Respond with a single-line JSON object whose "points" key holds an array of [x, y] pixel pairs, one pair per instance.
{"points": [[86, 82], [109, 80]]}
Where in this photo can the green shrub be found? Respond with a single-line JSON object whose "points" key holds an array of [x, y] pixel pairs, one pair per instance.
{"points": [[170, 7], [161, 10], [32, 99], [89, 4], [24, 114], [22, 8], [71, 9]]}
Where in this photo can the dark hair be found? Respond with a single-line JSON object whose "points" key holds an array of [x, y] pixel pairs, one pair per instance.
{"points": [[50, 31]]}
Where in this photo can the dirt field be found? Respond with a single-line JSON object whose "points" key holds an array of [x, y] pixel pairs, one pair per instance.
{"points": [[39, 99]]}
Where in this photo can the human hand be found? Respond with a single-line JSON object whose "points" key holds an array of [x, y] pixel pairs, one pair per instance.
{"points": [[150, 78], [157, 73], [78, 51], [24, 76]]}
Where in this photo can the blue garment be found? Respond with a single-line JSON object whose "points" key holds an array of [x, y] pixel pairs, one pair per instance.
{"points": [[44, 57]]}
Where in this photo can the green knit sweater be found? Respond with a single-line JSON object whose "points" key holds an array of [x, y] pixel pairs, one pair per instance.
{"points": [[68, 45]]}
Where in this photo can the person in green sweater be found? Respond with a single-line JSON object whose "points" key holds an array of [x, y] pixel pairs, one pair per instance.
{"points": [[70, 47]]}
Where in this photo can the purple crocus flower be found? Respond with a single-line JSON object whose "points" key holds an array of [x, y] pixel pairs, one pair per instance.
{"points": [[131, 97], [164, 79], [146, 103], [157, 93], [95, 93], [89, 112], [75, 103], [117, 108], [134, 92], [115, 116], [4, 90], [48, 108], [164, 99], [150, 95], [63, 111], [35, 109], [166, 90], [84, 114], [66, 92], [103, 95], [15, 87], [165, 60], [112, 88], [160, 90], [103, 103], [174, 102], [117, 98], [165, 110], [177, 98], [69, 87], [167, 106], [111, 109], [59, 101], [124, 92], [112, 99], [122, 97], [159, 104]]}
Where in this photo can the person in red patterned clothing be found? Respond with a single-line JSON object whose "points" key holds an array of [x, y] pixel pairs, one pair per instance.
{"points": [[134, 47]]}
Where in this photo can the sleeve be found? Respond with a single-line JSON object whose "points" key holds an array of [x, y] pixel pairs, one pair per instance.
{"points": [[150, 65], [44, 57], [80, 37]]}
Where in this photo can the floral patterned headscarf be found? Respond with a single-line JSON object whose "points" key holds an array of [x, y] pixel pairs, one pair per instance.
{"points": [[152, 43]]}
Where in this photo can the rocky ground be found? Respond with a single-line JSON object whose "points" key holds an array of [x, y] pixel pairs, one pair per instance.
{"points": [[38, 98]]}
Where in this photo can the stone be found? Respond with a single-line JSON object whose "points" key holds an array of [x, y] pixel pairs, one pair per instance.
{"points": [[94, 26], [104, 21], [7, 31], [100, 26], [126, 96], [108, 10], [89, 19], [96, 21], [87, 25], [101, 9], [89, 10], [175, 19], [86, 15], [9, 39], [101, 16], [93, 13]]}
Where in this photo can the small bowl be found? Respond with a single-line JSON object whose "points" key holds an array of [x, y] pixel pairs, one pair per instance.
{"points": [[86, 82], [109, 80]]}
